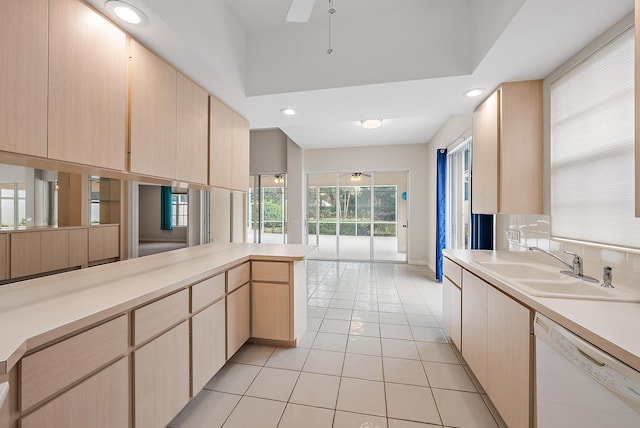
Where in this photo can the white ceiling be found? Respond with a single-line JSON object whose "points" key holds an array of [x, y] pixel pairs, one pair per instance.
{"points": [[406, 61]]}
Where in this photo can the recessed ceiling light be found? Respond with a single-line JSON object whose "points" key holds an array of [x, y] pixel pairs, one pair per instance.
{"points": [[126, 12], [474, 92], [371, 123], [288, 111]]}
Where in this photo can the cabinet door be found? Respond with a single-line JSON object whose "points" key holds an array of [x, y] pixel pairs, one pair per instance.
{"points": [[240, 154], [54, 250], [220, 140], [78, 247], [446, 305], [520, 147], [153, 114], [3, 256], [474, 325], [24, 253], [484, 179], [508, 369], [271, 311], [87, 87], [23, 80], [238, 319], [102, 401], [161, 378], [192, 149], [208, 335], [456, 316]]}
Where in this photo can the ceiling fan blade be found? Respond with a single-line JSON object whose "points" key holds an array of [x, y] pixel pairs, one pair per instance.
{"points": [[300, 10]]}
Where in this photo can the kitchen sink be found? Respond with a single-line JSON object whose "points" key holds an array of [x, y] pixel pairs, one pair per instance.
{"points": [[543, 281]]}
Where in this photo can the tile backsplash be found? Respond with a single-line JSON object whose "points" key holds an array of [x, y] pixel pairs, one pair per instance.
{"points": [[535, 230]]}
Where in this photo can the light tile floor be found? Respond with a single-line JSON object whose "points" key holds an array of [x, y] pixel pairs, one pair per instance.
{"points": [[373, 356]]}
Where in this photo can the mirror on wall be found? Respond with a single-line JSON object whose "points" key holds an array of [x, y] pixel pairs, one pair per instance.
{"points": [[28, 197], [104, 200]]}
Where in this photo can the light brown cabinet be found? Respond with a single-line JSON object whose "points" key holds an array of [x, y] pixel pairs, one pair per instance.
{"points": [[23, 79], [271, 301], [54, 250], [229, 148], [87, 87], [161, 378], [101, 401], [510, 363], [507, 150], [104, 242], [192, 146], [153, 114], [238, 319], [452, 302], [637, 106], [24, 254], [240, 153], [474, 325], [208, 341], [497, 345]]}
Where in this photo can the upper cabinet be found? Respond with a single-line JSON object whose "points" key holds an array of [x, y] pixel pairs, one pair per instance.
{"points": [[240, 173], [192, 148], [153, 114], [87, 87], [507, 150], [23, 76], [229, 151]]}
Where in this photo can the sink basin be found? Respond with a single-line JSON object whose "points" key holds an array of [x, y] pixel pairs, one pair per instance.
{"points": [[541, 281], [522, 270]]}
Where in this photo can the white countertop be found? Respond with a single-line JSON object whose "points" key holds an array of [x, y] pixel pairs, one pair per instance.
{"points": [[612, 326], [36, 311]]}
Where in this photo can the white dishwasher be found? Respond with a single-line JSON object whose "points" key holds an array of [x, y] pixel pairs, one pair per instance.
{"points": [[578, 385]]}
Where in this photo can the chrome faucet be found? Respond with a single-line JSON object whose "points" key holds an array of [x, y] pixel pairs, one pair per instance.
{"points": [[576, 265]]}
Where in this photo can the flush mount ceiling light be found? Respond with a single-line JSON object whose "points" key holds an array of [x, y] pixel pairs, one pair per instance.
{"points": [[126, 12], [287, 111], [475, 92], [371, 123], [356, 176]]}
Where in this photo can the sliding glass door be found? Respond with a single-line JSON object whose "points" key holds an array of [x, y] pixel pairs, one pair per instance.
{"points": [[267, 209], [458, 197], [358, 216]]}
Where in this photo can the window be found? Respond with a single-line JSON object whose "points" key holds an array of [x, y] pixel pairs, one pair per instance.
{"points": [[592, 148], [180, 209], [13, 204]]}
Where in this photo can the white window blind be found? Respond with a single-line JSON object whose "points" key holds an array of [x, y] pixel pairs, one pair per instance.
{"points": [[592, 148]]}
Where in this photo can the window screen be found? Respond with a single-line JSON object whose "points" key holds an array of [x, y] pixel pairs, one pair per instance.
{"points": [[592, 148]]}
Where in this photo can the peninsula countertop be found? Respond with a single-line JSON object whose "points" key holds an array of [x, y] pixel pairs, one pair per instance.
{"points": [[36, 311], [612, 326]]}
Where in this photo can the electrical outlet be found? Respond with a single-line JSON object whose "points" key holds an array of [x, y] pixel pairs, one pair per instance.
{"points": [[513, 236]]}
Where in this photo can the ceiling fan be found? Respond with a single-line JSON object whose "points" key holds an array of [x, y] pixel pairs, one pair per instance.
{"points": [[300, 10]]}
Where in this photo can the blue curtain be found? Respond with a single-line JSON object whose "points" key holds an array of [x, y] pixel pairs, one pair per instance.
{"points": [[165, 208], [481, 231], [441, 210]]}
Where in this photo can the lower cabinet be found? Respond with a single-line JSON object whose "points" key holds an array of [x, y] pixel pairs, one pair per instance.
{"points": [[208, 335], [101, 401], [161, 378], [508, 367], [271, 311], [456, 316], [496, 343], [238, 319], [474, 325]]}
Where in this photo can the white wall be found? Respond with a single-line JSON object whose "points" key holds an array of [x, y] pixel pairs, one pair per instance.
{"points": [[268, 152], [453, 132], [413, 158]]}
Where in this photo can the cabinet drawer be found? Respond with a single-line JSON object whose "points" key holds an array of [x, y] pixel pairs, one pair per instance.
{"points": [[270, 271], [46, 372], [152, 319], [206, 292], [453, 271], [238, 276]]}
